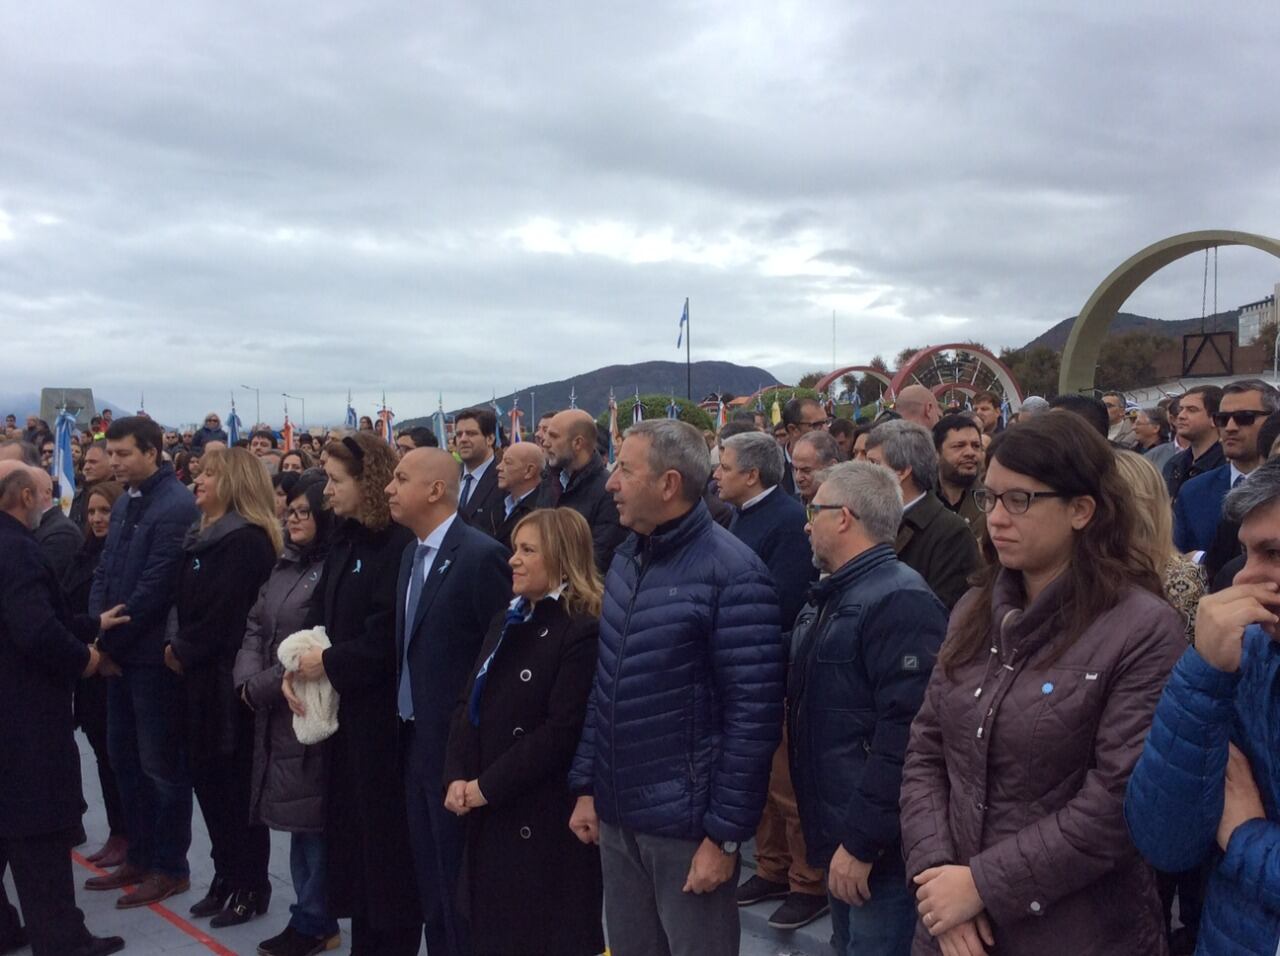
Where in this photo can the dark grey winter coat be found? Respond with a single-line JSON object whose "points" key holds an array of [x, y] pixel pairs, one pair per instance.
{"points": [[288, 777]]}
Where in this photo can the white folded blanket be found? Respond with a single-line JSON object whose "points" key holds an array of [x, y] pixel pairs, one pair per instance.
{"points": [[318, 696]]}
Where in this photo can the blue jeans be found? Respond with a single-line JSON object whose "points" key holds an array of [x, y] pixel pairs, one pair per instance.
{"points": [[306, 866], [882, 926], [146, 729]]}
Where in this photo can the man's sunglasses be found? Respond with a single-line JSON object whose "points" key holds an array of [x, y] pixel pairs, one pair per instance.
{"points": [[1244, 419]]}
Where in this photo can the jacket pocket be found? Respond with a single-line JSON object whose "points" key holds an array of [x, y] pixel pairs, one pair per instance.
{"points": [[838, 643]]}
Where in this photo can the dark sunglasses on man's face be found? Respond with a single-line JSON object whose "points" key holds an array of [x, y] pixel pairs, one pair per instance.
{"points": [[1243, 418]]}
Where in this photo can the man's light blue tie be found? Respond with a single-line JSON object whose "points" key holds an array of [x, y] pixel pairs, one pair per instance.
{"points": [[404, 696], [466, 490], [1239, 478]]}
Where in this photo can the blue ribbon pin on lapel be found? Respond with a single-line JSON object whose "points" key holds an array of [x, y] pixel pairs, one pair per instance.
{"points": [[356, 569], [1046, 687], [444, 567]]}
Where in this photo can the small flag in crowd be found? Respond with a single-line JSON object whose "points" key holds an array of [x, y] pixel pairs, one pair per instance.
{"points": [[613, 427], [775, 414], [286, 433], [386, 416], [673, 410], [233, 425], [637, 410], [353, 422], [573, 397], [684, 321], [857, 403], [1005, 410], [516, 416], [438, 424], [720, 415], [64, 469], [497, 415]]}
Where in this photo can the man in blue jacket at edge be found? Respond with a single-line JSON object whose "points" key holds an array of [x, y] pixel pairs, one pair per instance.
{"points": [[1208, 781], [686, 708]]}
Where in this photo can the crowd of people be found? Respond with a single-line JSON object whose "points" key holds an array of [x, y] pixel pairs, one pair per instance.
{"points": [[971, 685]]}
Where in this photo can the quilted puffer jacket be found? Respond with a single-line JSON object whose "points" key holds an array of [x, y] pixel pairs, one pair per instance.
{"points": [[686, 706], [1176, 792], [1017, 769]]}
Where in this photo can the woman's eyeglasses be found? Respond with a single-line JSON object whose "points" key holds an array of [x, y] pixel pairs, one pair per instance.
{"points": [[1015, 502], [302, 514]]}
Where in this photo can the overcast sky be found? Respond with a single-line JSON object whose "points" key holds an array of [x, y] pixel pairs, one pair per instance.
{"points": [[468, 197]]}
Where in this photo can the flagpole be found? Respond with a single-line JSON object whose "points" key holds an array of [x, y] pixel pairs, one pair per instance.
{"points": [[688, 352]]}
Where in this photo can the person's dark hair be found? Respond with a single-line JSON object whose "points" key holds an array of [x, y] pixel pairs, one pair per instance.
{"points": [[742, 415], [264, 433], [310, 488], [182, 466], [484, 417], [1268, 434], [421, 436], [1211, 395], [842, 427], [29, 452], [739, 427], [148, 435], [284, 481], [991, 398], [545, 415], [1087, 407], [303, 456], [793, 411], [1120, 395], [952, 423], [240, 443], [95, 421], [1270, 397], [1262, 488], [1063, 452]]}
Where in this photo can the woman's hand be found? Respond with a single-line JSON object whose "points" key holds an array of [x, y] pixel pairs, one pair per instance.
{"points": [[455, 798], [113, 618], [311, 664], [295, 703], [968, 939], [171, 660], [947, 897]]}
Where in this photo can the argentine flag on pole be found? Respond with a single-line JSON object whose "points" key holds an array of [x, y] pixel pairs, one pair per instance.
{"points": [[684, 320], [64, 469], [233, 426], [352, 421], [438, 423]]}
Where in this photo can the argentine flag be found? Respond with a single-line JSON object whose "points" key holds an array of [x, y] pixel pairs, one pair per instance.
{"points": [[233, 427], [64, 469], [684, 321]]}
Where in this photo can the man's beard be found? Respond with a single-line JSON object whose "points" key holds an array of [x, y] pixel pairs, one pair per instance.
{"points": [[959, 479]]}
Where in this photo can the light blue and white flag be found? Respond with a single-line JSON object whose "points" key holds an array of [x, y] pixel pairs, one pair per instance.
{"points": [[233, 426], [438, 424], [63, 468], [353, 421], [684, 321]]}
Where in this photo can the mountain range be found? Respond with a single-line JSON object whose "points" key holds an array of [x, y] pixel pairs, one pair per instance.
{"points": [[591, 389], [1056, 337]]}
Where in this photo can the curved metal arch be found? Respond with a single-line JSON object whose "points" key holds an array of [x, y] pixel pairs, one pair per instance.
{"points": [[1002, 373], [1080, 357], [825, 382]]}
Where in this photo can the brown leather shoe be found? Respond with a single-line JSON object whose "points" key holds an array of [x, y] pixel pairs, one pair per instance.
{"points": [[153, 889], [126, 875]]}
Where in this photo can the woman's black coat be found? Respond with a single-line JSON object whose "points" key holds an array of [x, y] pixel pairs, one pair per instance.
{"points": [[529, 885], [370, 869], [222, 570]]}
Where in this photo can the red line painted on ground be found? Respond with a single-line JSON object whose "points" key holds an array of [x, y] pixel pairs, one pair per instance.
{"points": [[168, 915]]}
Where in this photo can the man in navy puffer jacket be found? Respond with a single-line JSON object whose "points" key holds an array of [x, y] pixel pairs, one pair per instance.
{"points": [[1209, 778], [686, 708]]}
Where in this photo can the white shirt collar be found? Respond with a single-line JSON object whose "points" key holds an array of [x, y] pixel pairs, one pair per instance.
{"points": [[912, 503], [480, 469], [554, 595], [511, 501], [758, 498], [436, 537], [1236, 474]]}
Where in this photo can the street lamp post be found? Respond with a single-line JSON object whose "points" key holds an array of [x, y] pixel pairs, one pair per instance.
{"points": [[257, 404], [299, 398]]}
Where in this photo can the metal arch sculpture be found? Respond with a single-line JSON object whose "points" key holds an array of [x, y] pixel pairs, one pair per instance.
{"points": [[1000, 371], [1084, 344], [825, 382]]}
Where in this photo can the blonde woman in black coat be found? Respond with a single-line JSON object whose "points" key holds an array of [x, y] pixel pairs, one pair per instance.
{"points": [[529, 886]]}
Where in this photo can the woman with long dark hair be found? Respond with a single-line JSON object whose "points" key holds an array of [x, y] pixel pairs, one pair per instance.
{"points": [[532, 889], [229, 555], [369, 868], [287, 789], [91, 694], [1013, 788]]}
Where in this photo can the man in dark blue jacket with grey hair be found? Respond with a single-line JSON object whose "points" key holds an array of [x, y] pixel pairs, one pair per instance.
{"points": [[864, 648], [686, 708]]}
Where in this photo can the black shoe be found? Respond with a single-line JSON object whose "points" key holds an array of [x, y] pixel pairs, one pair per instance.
{"points": [[100, 946], [13, 941], [800, 909], [758, 889], [215, 899], [244, 906], [293, 943]]}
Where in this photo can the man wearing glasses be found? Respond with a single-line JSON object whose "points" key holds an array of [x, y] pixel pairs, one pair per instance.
{"points": [[211, 431], [1120, 429], [864, 648], [1198, 508], [800, 416]]}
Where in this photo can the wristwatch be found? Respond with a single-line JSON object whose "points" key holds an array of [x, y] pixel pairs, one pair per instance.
{"points": [[728, 847]]}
